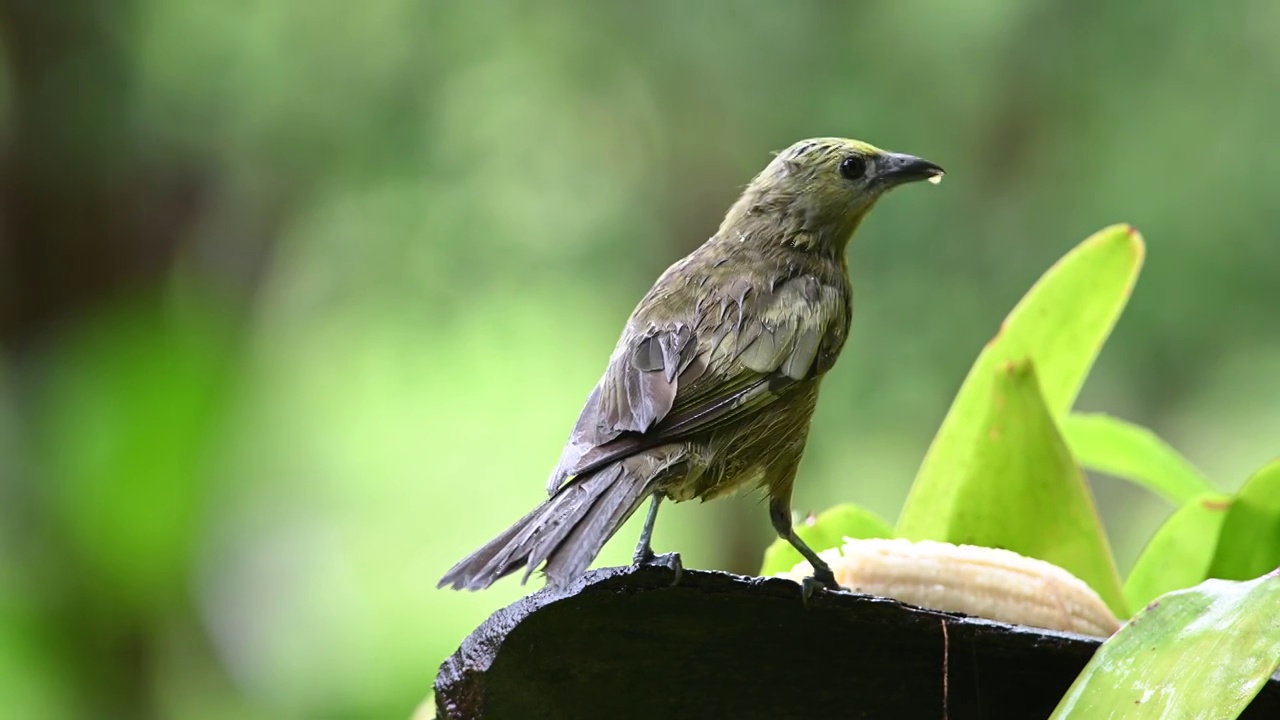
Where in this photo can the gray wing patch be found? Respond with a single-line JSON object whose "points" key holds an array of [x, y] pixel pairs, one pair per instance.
{"points": [[786, 334], [640, 385], [637, 390], [669, 351], [803, 350]]}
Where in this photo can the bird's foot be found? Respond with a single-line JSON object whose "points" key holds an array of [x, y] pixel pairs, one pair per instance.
{"points": [[822, 577], [666, 560]]}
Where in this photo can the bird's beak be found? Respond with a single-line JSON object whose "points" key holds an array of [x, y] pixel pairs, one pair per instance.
{"points": [[896, 169]]}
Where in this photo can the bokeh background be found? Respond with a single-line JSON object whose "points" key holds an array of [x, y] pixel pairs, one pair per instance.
{"points": [[299, 300]]}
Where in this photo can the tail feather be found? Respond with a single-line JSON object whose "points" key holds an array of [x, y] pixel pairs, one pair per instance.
{"points": [[544, 529], [478, 570], [602, 488], [583, 542], [567, 531]]}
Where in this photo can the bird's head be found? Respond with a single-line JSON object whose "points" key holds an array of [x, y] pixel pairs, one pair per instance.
{"points": [[817, 191]]}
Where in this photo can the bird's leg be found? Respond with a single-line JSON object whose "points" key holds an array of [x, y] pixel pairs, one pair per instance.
{"points": [[780, 516], [644, 550]]}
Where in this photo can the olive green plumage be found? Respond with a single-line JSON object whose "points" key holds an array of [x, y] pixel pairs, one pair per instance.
{"points": [[713, 383]]}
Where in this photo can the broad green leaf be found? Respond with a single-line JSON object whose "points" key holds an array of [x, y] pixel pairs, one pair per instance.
{"points": [[1119, 448], [1178, 555], [1060, 324], [1250, 541], [827, 530], [1204, 652], [1021, 490]]}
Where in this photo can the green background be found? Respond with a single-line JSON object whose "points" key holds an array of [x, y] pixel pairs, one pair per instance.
{"points": [[300, 299]]}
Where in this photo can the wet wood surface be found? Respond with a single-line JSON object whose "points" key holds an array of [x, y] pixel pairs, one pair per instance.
{"points": [[625, 643]]}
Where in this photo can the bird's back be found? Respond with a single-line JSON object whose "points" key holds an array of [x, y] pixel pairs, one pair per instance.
{"points": [[723, 354]]}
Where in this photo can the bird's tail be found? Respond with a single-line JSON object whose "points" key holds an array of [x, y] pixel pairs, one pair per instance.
{"points": [[567, 531]]}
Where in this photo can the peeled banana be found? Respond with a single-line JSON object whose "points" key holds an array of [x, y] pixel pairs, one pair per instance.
{"points": [[984, 582]]}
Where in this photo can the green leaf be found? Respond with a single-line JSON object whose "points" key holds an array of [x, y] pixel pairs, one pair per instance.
{"points": [[1250, 541], [1204, 652], [828, 530], [1060, 324], [1134, 453], [1021, 490], [1179, 554]]}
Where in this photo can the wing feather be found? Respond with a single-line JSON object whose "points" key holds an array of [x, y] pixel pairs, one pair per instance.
{"points": [[693, 374]]}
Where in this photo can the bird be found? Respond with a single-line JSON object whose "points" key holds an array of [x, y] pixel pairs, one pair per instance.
{"points": [[712, 385]]}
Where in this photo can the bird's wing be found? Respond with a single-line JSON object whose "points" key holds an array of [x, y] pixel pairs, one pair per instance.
{"points": [[706, 368]]}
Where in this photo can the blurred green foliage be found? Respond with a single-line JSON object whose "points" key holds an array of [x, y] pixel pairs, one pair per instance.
{"points": [[410, 232]]}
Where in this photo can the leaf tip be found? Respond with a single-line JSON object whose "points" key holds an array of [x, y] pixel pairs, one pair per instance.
{"points": [[1019, 368], [1136, 241], [1216, 504]]}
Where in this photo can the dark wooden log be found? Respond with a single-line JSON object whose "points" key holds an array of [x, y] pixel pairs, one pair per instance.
{"points": [[625, 643]]}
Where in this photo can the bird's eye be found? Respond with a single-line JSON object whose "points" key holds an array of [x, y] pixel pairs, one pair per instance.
{"points": [[853, 167]]}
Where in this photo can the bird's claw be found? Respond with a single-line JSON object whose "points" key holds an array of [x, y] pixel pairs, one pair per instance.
{"points": [[821, 578], [667, 560]]}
